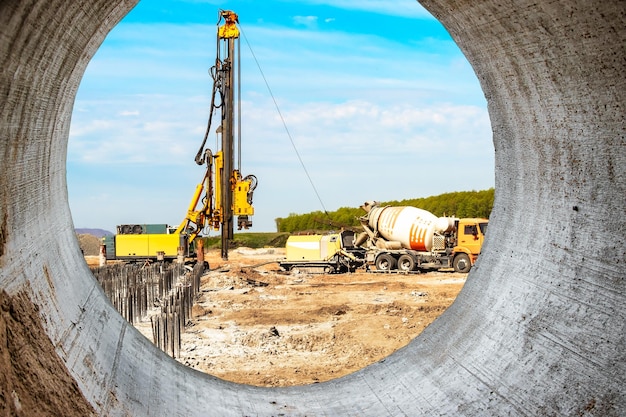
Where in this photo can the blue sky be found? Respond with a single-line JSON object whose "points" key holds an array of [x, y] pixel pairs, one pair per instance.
{"points": [[378, 100]]}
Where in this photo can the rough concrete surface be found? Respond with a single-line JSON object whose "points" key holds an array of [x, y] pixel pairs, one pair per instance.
{"points": [[537, 330]]}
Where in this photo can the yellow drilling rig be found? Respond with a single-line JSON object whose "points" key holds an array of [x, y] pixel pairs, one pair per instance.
{"points": [[223, 192]]}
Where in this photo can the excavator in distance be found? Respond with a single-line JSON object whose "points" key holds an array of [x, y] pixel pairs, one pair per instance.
{"points": [[223, 192]]}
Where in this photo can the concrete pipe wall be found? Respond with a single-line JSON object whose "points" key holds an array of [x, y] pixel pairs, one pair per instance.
{"points": [[537, 330]]}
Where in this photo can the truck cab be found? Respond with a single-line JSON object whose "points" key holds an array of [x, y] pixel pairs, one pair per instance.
{"points": [[469, 241]]}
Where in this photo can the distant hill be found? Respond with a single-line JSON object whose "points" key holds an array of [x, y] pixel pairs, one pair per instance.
{"points": [[89, 244], [99, 233]]}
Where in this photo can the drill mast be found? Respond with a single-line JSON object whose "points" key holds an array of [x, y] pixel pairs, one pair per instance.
{"points": [[226, 193]]}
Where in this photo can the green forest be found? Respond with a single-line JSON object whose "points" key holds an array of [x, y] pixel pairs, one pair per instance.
{"points": [[459, 204]]}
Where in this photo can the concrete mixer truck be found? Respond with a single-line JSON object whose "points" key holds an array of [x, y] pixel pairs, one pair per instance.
{"points": [[410, 239]]}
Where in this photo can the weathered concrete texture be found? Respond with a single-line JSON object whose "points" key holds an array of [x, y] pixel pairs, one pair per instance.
{"points": [[538, 329]]}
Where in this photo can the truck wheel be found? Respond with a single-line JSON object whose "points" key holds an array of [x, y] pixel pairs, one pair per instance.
{"points": [[385, 262], [462, 263], [406, 263]]}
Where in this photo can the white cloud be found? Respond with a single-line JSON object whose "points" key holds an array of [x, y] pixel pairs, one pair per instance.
{"points": [[162, 131], [129, 113], [360, 126], [307, 21], [353, 150]]}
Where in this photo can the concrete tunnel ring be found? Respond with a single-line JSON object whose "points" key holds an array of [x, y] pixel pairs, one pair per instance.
{"points": [[538, 328]]}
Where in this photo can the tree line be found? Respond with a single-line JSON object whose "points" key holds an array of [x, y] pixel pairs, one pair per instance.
{"points": [[457, 204]]}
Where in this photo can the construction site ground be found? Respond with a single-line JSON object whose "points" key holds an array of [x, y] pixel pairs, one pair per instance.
{"points": [[254, 324]]}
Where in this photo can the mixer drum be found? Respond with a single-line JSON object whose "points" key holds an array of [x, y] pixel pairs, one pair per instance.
{"points": [[411, 226]]}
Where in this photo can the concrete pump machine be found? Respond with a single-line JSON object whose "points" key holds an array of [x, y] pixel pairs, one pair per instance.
{"points": [[223, 193]]}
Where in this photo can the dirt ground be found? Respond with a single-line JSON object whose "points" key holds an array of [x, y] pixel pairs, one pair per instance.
{"points": [[256, 325], [33, 379]]}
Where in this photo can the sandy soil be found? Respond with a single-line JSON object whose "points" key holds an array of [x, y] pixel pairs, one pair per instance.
{"points": [[33, 379], [255, 325]]}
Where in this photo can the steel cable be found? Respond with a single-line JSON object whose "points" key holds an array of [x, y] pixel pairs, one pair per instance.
{"points": [[283, 122]]}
